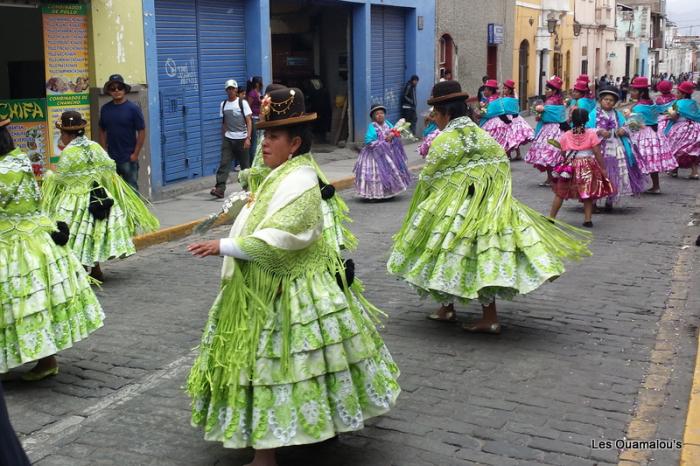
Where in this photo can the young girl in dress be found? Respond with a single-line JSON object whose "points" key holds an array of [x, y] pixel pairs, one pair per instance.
{"points": [[381, 170], [683, 130], [622, 169], [551, 122], [650, 150], [519, 131], [586, 180]]}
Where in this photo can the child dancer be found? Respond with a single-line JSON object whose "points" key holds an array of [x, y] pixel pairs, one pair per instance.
{"points": [[586, 181], [622, 169], [683, 130], [381, 169], [650, 150], [551, 122], [519, 131]]}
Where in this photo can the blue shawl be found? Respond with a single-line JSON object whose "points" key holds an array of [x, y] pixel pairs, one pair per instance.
{"points": [[551, 114]]}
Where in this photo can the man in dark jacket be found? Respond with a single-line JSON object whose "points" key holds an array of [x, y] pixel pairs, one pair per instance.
{"points": [[408, 102]]}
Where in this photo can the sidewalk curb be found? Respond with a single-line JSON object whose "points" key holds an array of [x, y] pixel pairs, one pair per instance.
{"points": [[176, 232], [690, 452]]}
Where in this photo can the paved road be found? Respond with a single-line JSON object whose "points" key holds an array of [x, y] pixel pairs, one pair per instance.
{"points": [[567, 368]]}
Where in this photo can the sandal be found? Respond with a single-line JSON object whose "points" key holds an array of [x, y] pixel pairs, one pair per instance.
{"points": [[694, 177], [652, 191], [492, 329], [450, 316], [545, 184]]}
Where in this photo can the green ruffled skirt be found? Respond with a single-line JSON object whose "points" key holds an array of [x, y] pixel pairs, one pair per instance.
{"points": [[46, 303], [337, 374], [93, 240], [444, 258]]}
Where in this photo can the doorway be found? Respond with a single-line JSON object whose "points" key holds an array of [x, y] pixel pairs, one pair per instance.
{"points": [[446, 55], [22, 64], [492, 61], [523, 71], [310, 50]]}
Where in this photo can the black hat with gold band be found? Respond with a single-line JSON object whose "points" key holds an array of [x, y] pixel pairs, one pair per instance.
{"points": [[283, 107], [71, 121], [447, 91]]}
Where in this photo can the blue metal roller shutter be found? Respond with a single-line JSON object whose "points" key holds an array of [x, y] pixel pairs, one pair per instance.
{"points": [[222, 56], [176, 35], [394, 60], [388, 58], [377, 56]]}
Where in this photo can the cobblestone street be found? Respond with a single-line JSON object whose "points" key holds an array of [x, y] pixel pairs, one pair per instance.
{"points": [[606, 348]]}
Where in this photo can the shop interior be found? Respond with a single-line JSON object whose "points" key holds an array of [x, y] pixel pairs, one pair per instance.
{"points": [[310, 50], [22, 56]]}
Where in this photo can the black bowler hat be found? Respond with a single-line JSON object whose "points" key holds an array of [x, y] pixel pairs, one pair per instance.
{"points": [[376, 107], [71, 121], [610, 90], [447, 91], [116, 79], [283, 107]]}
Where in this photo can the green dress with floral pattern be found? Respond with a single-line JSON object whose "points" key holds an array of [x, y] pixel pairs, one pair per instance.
{"points": [[466, 237], [83, 165], [46, 303], [288, 357]]}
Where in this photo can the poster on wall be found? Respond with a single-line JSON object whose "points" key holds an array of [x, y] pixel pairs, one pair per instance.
{"points": [[28, 129], [66, 58]]}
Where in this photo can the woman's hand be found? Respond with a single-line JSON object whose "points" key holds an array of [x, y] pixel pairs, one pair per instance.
{"points": [[389, 136], [204, 248], [621, 132], [604, 133]]}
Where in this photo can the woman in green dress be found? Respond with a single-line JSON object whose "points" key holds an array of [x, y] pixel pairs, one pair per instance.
{"points": [[46, 303], [86, 192], [465, 236], [290, 354]]}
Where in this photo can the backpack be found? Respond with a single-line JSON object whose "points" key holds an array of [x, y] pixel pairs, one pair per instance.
{"points": [[240, 105]]}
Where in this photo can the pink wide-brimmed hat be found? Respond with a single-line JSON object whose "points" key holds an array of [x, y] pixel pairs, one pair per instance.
{"points": [[555, 82], [581, 86], [640, 82], [664, 86], [509, 83], [584, 78], [491, 83], [686, 87]]}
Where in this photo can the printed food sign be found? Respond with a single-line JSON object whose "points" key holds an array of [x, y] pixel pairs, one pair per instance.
{"points": [[66, 58], [28, 129]]}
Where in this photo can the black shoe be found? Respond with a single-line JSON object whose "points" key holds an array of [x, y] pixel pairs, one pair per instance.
{"points": [[217, 193], [588, 224]]}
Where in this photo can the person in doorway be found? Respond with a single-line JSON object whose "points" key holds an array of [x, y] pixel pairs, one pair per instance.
{"points": [[463, 202], [254, 97], [408, 102], [447, 76], [237, 129], [122, 129]]}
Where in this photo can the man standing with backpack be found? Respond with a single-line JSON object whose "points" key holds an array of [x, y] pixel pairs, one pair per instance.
{"points": [[236, 129]]}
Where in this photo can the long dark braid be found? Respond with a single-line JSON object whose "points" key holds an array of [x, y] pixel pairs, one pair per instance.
{"points": [[579, 118]]}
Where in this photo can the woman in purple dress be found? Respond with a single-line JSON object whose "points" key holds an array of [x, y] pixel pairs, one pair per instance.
{"points": [[381, 170]]}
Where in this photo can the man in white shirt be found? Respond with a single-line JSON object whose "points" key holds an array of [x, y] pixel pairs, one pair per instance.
{"points": [[236, 129]]}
